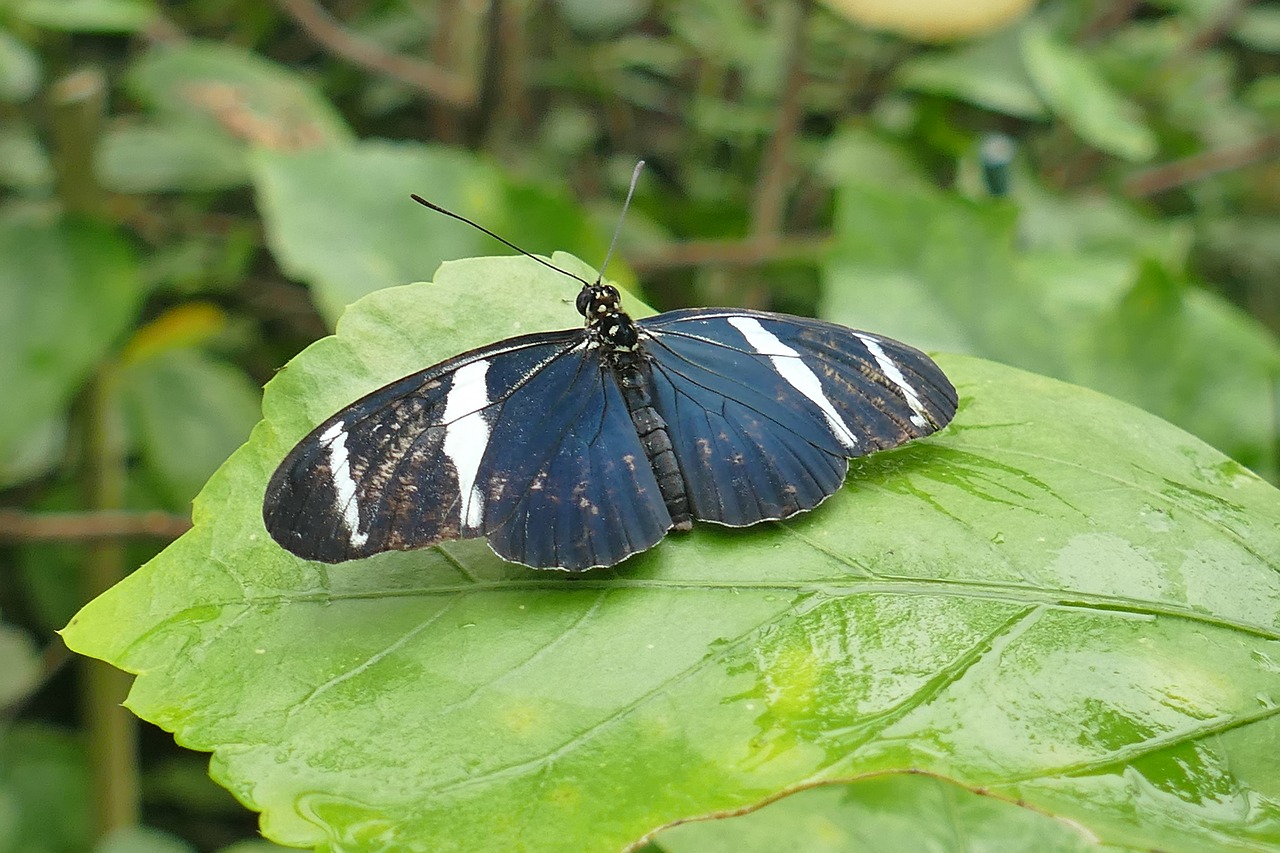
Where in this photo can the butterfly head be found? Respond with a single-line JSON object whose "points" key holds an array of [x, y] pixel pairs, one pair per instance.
{"points": [[601, 305], [598, 300]]}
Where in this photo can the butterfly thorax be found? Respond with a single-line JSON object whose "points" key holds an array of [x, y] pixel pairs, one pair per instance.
{"points": [[609, 326]]}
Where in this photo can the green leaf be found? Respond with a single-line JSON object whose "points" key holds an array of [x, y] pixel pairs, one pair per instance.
{"points": [[1069, 83], [44, 791], [236, 95], [1259, 28], [342, 219], [23, 162], [19, 69], [898, 812], [1059, 598], [988, 73], [943, 272], [168, 157], [67, 292], [21, 669], [141, 839], [188, 413], [89, 16]]}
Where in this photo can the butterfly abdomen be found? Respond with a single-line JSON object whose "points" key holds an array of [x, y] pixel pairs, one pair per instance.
{"points": [[652, 429]]}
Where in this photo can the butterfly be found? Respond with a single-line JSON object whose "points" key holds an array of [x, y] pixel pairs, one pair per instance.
{"points": [[575, 449]]}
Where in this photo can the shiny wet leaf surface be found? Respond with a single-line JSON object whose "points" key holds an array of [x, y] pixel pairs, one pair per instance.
{"points": [[1059, 599]]}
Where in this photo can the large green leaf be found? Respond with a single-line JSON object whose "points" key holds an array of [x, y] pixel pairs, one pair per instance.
{"points": [[945, 272], [342, 219], [67, 292], [1060, 598]]}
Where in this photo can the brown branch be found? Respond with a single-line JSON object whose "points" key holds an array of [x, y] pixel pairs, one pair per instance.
{"points": [[730, 253], [1212, 31], [1111, 17], [769, 206], [18, 526], [1158, 179], [427, 77]]}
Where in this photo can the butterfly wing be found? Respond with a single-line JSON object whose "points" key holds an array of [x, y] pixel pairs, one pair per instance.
{"points": [[526, 442], [765, 409]]}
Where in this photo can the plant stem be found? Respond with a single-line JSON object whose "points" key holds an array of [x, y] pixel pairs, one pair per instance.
{"points": [[112, 730], [77, 103]]}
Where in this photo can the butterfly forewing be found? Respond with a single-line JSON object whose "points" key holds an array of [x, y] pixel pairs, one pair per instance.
{"points": [[766, 408], [527, 442]]}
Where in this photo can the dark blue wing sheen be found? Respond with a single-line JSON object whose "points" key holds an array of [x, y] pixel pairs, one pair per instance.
{"points": [[765, 409], [527, 442]]}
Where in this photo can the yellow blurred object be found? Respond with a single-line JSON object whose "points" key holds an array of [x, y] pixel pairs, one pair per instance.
{"points": [[182, 326], [933, 20]]}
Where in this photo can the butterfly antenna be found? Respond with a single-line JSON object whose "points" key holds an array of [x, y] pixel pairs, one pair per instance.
{"points": [[438, 209], [635, 178]]}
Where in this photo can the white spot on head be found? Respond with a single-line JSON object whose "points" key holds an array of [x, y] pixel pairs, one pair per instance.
{"points": [[344, 485], [467, 435], [792, 368], [894, 375]]}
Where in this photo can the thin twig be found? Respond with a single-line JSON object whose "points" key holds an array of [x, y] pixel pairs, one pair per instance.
{"points": [[1212, 32], [1199, 166], [1111, 17], [427, 77], [768, 207], [18, 526]]}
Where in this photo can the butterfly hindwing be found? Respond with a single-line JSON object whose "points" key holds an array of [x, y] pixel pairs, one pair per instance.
{"points": [[526, 435], [570, 485], [764, 409]]}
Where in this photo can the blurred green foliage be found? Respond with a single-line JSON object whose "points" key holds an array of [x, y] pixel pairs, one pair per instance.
{"points": [[180, 220]]}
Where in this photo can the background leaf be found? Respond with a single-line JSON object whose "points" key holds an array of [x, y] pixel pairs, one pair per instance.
{"points": [[1076, 92], [67, 292], [189, 412], [988, 73], [378, 237], [228, 91], [170, 156], [19, 68], [1060, 598], [88, 16], [949, 273], [43, 791]]}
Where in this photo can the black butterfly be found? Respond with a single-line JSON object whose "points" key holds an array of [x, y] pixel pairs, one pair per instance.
{"points": [[578, 448]]}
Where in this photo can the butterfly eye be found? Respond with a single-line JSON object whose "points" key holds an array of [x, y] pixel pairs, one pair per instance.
{"points": [[584, 301]]}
